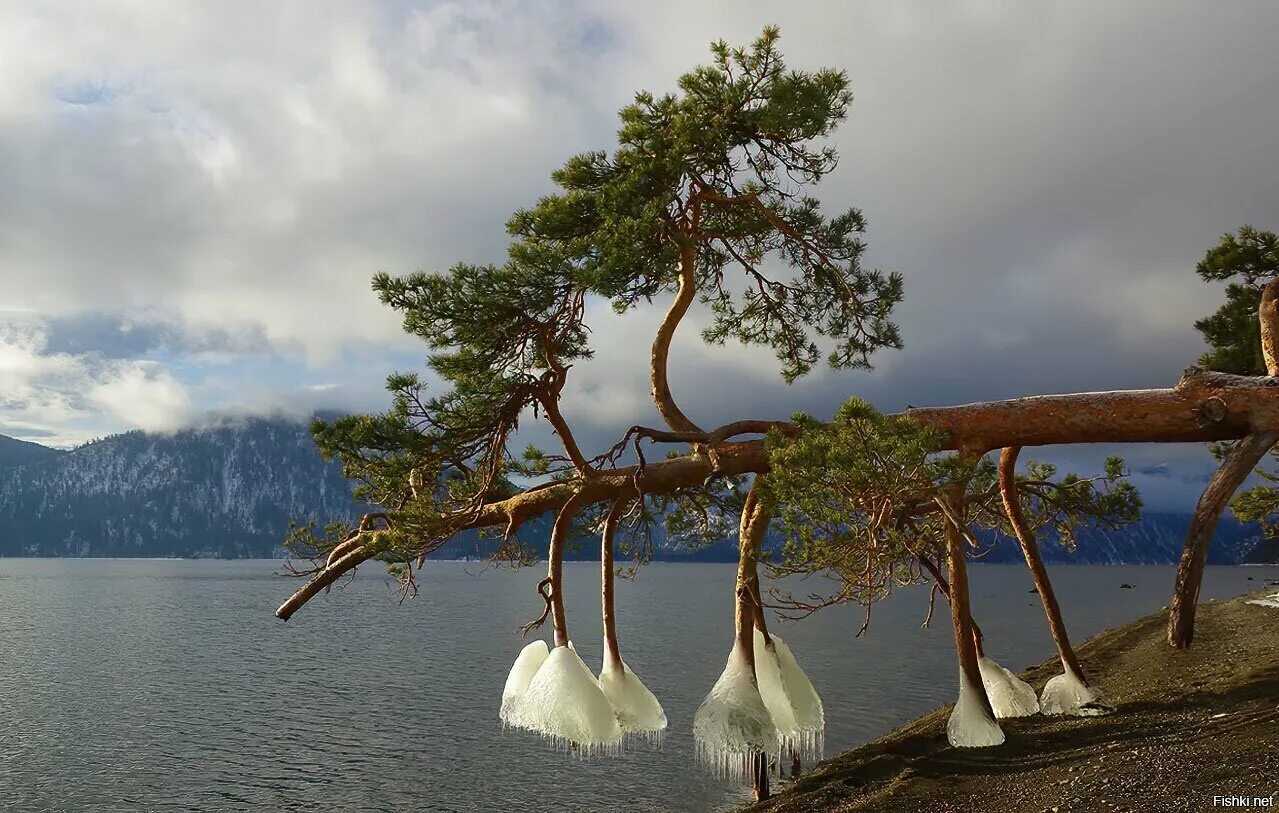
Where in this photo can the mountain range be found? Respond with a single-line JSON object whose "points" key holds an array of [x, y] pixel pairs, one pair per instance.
{"points": [[226, 490], [230, 489]]}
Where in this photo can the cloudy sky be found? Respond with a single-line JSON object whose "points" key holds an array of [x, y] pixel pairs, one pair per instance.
{"points": [[193, 196]]}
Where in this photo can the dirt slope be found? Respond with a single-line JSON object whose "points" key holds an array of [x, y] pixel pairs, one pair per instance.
{"points": [[1190, 726]]}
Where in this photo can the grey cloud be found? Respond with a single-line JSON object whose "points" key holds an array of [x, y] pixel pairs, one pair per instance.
{"points": [[23, 431], [110, 336], [1044, 175]]}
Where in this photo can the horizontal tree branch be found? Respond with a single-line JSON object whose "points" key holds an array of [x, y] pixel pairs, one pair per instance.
{"points": [[1202, 407], [324, 579]]}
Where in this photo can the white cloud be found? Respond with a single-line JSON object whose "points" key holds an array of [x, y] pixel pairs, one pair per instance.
{"points": [[143, 396], [1044, 175], [242, 168], [33, 383], [64, 398]]}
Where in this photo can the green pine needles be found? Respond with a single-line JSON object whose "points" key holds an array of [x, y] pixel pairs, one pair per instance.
{"points": [[1247, 260], [708, 193], [864, 500]]}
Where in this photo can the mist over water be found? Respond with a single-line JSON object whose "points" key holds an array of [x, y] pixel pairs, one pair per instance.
{"points": [[168, 685]]}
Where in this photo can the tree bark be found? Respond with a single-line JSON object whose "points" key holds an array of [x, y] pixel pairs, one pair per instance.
{"points": [[613, 653], [661, 388], [1268, 314], [1203, 407], [323, 580], [960, 606], [555, 567], [1038, 573], [1235, 468], [755, 532], [750, 536], [749, 533]]}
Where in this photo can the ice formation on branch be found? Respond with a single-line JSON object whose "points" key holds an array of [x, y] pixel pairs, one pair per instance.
{"points": [[526, 665], [772, 688], [969, 725], [1067, 694], [733, 723], [790, 698], [565, 704], [638, 711], [1010, 696]]}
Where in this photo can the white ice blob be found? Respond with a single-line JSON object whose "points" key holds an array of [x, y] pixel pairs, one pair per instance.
{"points": [[637, 710], [1271, 600], [772, 688], [969, 725], [526, 665], [790, 698], [733, 722], [1010, 696], [1067, 694], [565, 704]]}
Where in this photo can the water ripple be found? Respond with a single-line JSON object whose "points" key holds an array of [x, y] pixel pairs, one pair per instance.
{"points": [[169, 686]]}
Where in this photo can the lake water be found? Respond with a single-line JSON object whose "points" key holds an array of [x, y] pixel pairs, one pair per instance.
{"points": [[168, 685]]}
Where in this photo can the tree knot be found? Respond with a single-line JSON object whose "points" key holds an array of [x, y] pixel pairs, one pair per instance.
{"points": [[1211, 411]]}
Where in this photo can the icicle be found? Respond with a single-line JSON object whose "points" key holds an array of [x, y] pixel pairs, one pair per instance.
{"points": [[969, 726], [790, 698], [733, 722], [1010, 696], [1067, 694], [638, 711], [526, 665], [565, 704]]}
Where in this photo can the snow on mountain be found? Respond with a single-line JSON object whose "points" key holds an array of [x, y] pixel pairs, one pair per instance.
{"points": [[14, 452], [231, 488], [228, 489]]}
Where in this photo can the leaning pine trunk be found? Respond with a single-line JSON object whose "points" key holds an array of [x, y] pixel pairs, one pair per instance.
{"points": [[1234, 469], [745, 617]]}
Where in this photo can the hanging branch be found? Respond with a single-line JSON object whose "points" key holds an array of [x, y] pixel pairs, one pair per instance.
{"points": [[543, 587], [607, 575], [1030, 550]]}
